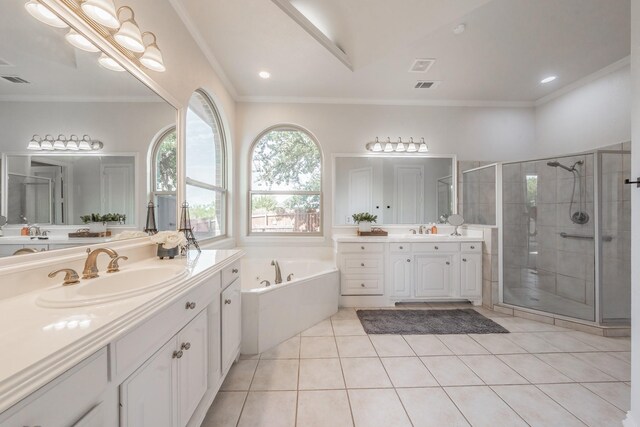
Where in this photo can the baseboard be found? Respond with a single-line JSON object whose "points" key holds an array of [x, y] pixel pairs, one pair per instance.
{"points": [[629, 421]]}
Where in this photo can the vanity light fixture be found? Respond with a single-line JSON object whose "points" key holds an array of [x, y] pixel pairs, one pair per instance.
{"points": [[47, 143], [85, 143], [109, 63], [81, 42], [152, 57], [60, 143], [398, 147], [34, 144], [43, 14], [102, 11], [72, 144], [129, 35]]}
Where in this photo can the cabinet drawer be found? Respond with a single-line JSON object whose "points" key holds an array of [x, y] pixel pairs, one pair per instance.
{"points": [[361, 247], [138, 345], [230, 274], [65, 400], [363, 265], [361, 286], [400, 247], [435, 247], [475, 247]]}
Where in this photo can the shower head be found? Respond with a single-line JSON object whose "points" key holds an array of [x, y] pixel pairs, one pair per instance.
{"points": [[556, 164]]}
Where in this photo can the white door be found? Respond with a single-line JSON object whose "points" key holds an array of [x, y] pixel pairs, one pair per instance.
{"points": [[433, 275], [360, 190], [148, 396], [409, 195], [401, 268], [192, 366], [231, 323], [471, 275], [118, 190]]}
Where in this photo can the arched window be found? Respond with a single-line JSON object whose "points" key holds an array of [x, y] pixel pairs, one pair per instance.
{"points": [[205, 171], [164, 181], [286, 183]]}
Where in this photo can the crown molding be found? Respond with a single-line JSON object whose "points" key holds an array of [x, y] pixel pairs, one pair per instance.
{"points": [[204, 47], [395, 102], [583, 81], [58, 98]]}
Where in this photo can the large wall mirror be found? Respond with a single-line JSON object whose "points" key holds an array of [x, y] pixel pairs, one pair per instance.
{"points": [[50, 87], [399, 190]]}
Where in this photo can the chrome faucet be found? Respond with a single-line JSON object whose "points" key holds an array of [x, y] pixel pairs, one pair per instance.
{"points": [[34, 230], [412, 230], [422, 229], [278, 273], [90, 266]]}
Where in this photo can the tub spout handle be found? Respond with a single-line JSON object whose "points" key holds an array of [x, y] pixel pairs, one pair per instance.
{"points": [[265, 283], [290, 277]]}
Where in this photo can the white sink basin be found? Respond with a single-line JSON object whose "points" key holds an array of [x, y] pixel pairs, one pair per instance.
{"points": [[112, 287]]}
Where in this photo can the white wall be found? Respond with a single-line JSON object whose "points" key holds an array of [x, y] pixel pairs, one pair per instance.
{"points": [[590, 116]]}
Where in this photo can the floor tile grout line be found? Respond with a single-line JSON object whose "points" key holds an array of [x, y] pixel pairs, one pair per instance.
{"points": [[344, 379], [566, 374], [246, 397]]}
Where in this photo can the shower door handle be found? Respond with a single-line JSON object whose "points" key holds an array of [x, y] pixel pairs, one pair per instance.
{"points": [[636, 182]]}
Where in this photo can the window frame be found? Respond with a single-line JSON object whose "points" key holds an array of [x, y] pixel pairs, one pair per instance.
{"points": [[251, 192], [223, 190], [154, 192]]}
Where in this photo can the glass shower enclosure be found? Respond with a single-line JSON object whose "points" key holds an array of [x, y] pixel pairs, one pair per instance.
{"points": [[566, 245]]}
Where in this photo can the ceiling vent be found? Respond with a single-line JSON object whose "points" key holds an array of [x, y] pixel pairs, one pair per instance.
{"points": [[14, 79], [426, 84], [421, 65]]}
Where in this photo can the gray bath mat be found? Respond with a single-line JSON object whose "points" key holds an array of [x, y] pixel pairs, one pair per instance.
{"points": [[422, 322]]}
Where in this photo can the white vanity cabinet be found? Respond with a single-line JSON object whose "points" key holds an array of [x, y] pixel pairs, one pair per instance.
{"points": [[362, 268], [434, 275], [231, 316], [401, 267], [470, 271]]}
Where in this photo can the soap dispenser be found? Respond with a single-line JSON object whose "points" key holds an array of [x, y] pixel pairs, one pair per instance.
{"points": [[434, 229]]}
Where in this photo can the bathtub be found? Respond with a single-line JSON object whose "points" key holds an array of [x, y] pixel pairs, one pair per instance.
{"points": [[275, 313]]}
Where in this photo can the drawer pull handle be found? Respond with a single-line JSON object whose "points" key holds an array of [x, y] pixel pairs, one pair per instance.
{"points": [[473, 247], [185, 346], [190, 305], [227, 301], [362, 284], [177, 354], [401, 247], [235, 271], [436, 248], [464, 259], [448, 263], [362, 247], [362, 264]]}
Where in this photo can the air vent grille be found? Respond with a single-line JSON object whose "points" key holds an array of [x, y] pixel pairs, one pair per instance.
{"points": [[14, 79], [426, 84], [421, 65]]}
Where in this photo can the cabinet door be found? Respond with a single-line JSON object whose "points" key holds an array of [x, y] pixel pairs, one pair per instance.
{"points": [[401, 268], [471, 275], [433, 275], [231, 323], [148, 396], [192, 366]]}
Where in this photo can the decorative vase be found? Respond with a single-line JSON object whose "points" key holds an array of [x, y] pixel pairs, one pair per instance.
{"points": [[97, 227], [168, 253], [364, 226]]}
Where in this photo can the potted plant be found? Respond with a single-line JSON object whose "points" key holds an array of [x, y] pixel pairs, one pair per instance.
{"points": [[169, 243], [364, 221], [98, 223]]}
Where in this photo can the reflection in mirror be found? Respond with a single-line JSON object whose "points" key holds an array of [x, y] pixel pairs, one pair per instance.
{"points": [[55, 88], [399, 190], [478, 195]]}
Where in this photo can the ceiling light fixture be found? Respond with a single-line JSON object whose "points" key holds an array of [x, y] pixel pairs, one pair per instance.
{"points": [[43, 14], [129, 35], [109, 63], [264, 74], [102, 11], [79, 41], [548, 79], [152, 57]]}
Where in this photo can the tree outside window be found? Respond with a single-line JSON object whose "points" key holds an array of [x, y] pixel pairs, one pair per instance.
{"points": [[165, 180], [286, 176]]}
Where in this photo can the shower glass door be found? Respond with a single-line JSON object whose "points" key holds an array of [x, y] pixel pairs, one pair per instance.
{"points": [[548, 235]]}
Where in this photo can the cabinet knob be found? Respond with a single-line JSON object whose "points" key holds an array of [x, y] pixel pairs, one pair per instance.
{"points": [[362, 247], [177, 354], [408, 260], [436, 248], [362, 284], [190, 305], [448, 263], [185, 346], [473, 247], [362, 264], [401, 247], [464, 259], [227, 301], [235, 270]]}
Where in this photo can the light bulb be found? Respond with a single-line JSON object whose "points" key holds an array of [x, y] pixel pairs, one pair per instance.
{"points": [[43, 14], [109, 63], [102, 11], [81, 42]]}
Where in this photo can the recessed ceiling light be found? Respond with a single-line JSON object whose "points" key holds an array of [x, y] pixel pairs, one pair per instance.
{"points": [[548, 79], [264, 74], [459, 29]]}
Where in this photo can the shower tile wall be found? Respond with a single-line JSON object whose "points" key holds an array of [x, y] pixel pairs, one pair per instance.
{"points": [[479, 196], [615, 202], [543, 270]]}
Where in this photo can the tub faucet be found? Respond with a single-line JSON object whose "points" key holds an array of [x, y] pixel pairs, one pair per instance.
{"points": [[278, 273], [265, 283]]}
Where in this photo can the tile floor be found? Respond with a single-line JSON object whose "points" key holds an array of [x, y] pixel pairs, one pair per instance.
{"points": [[334, 375]]}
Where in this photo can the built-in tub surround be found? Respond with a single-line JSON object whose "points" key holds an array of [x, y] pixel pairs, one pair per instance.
{"points": [[46, 342], [271, 314]]}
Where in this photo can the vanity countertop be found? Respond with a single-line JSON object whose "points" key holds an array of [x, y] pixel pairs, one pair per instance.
{"points": [[41, 343], [413, 238], [52, 240]]}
